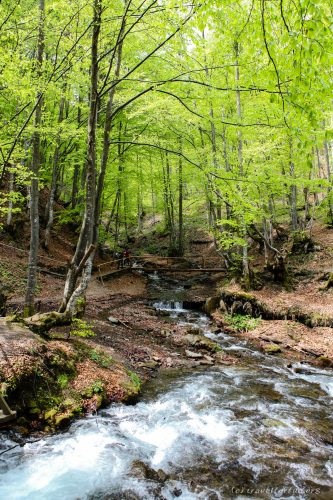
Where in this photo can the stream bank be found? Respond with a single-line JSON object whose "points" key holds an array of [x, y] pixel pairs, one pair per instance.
{"points": [[134, 341], [277, 327], [52, 380], [256, 429]]}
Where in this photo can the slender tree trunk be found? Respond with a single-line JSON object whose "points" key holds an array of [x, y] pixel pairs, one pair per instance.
{"points": [[208, 191], [55, 173], [106, 133], [329, 178], [152, 187], [245, 256], [180, 204], [227, 168], [10, 202], [139, 196], [76, 173], [29, 305], [169, 208], [85, 247], [293, 190]]}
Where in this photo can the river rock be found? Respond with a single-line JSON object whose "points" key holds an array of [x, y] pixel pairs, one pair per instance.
{"points": [[193, 355], [206, 362], [308, 392], [113, 320], [62, 420], [304, 371], [271, 349], [143, 471], [325, 362], [194, 331], [211, 304], [152, 365], [162, 475], [272, 422], [50, 414], [168, 362], [200, 341], [220, 358]]}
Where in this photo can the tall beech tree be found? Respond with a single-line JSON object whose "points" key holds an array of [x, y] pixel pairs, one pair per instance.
{"points": [[35, 166]]}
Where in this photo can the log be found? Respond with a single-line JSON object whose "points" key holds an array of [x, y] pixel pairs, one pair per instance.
{"points": [[43, 322]]}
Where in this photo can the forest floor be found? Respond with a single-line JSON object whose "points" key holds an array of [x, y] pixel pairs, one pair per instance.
{"points": [[143, 341], [132, 341], [304, 295]]}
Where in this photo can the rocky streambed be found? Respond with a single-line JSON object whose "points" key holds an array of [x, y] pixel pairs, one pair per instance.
{"points": [[261, 428]]}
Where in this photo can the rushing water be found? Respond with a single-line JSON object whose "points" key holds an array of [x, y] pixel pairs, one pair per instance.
{"points": [[255, 430]]}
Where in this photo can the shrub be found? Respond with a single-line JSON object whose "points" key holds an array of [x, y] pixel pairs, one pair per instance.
{"points": [[81, 328], [242, 323]]}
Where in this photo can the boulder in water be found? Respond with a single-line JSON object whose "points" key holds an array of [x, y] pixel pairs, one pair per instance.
{"points": [[271, 349], [201, 342]]}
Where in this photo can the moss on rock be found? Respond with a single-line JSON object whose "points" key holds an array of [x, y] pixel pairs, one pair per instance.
{"points": [[271, 349]]}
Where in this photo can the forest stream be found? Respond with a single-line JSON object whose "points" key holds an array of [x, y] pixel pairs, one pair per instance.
{"points": [[260, 429]]}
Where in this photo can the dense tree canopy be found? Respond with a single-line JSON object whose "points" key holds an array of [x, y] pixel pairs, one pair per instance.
{"points": [[215, 113]]}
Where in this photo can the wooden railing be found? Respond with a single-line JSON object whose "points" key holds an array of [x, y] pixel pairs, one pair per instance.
{"points": [[134, 261]]}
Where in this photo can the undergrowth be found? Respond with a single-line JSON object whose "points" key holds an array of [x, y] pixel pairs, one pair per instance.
{"points": [[81, 328], [242, 323]]}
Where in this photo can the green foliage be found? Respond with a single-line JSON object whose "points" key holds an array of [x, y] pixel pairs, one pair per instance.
{"points": [[242, 323], [101, 358], [135, 380], [70, 216], [63, 380], [252, 129], [81, 328], [97, 387]]}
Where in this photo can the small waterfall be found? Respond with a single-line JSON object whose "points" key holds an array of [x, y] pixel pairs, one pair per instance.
{"points": [[169, 305]]}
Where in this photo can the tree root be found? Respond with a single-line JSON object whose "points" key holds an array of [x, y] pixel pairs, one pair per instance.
{"points": [[42, 322]]}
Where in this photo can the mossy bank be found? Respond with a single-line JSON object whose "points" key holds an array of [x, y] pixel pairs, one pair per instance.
{"points": [[51, 382]]}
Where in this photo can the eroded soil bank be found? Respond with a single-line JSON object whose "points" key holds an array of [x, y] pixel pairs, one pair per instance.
{"points": [[52, 379]]}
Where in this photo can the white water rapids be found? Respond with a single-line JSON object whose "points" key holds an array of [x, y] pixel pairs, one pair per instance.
{"points": [[255, 430]]}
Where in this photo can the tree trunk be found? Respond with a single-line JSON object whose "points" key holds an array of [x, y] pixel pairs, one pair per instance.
{"points": [[85, 242], [55, 173], [139, 197], [76, 173], [107, 130], [329, 189], [9, 219], [29, 305], [245, 256], [180, 204]]}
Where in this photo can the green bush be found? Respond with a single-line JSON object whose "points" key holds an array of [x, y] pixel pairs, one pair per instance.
{"points": [[242, 323], [81, 328]]}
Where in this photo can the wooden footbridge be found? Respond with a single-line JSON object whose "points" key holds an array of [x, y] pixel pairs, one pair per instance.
{"points": [[150, 264]]}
